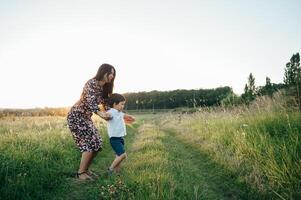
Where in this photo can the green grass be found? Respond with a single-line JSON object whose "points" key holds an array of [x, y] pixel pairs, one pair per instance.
{"points": [[34, 154], [176, 170], [242, 153], [260, 146]]}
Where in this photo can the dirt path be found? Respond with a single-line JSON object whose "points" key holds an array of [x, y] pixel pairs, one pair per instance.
{"points": [[195, 169], [161, 166]]}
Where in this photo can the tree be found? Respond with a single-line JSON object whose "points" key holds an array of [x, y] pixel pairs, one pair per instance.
{"points": [[268, 89], [231, 99], [292, 76], [268, 82], [268, 86], [250, 89], [292, 71]]}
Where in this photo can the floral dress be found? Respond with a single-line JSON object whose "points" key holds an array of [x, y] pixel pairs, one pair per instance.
{"points": [[79, 120]]}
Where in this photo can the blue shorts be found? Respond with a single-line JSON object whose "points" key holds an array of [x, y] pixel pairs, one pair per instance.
{"points": [[117, 144]]}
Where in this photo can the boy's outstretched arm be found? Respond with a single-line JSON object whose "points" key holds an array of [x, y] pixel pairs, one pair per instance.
{"points": [[128, 119]]}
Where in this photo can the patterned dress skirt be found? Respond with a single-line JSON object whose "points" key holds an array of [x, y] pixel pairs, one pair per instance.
{"points": [[85, 134]]}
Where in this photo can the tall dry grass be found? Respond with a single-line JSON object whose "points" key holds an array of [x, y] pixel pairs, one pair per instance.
{"points": [[259, 142]]}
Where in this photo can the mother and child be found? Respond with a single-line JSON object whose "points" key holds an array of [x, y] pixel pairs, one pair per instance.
{"points": [[98, 91]]}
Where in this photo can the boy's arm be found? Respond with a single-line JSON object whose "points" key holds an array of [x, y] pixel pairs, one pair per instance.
{"points": [[128, 118]]}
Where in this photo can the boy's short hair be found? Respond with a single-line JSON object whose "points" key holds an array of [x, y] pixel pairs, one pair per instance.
{"points": [[115, 98]]}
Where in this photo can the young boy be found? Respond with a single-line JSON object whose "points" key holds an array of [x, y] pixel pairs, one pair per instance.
{"points": [[117, 130]]}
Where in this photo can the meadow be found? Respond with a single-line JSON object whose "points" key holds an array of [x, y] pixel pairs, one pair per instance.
{"points": [[245, 152]]}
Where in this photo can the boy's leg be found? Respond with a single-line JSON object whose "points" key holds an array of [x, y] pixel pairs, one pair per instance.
{"points": [[117, 161], [118, 167]]}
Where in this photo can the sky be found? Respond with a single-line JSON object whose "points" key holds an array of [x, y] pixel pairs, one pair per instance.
{"points": [[49, 49]]}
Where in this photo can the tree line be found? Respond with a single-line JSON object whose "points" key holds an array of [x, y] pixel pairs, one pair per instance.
{"points": [[176, 98], [219, 96]]}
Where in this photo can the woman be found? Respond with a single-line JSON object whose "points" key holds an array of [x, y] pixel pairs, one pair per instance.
{"points": [[85, 134]]}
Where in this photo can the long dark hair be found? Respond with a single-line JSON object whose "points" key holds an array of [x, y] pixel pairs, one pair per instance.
{"points": [[107, 87]]}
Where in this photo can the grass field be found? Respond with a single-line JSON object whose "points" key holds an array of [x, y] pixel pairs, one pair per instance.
{"points": [[239, 153]]}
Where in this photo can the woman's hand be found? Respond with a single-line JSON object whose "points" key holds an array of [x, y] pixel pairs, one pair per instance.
{"points": [[104, 115]]}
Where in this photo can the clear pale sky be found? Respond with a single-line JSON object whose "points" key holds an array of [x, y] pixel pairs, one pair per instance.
{"points": [[49, 49]]}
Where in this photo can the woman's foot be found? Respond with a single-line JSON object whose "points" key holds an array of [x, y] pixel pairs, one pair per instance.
{"points": [[92, 174], [83, 176]]}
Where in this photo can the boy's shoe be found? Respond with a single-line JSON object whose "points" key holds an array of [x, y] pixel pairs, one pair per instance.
{"points": [[110, 172]]}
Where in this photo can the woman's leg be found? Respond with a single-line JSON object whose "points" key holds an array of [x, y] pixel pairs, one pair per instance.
{"points": [[91, 173], [93, 143], [85, 162], [94, 153]]}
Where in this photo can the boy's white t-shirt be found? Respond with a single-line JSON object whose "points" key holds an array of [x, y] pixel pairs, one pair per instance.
{"points": [[116, 126]]}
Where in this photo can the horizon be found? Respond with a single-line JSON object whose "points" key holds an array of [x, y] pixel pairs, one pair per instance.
{"points": [[46, 107], [1, 108], [49, 49]]}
